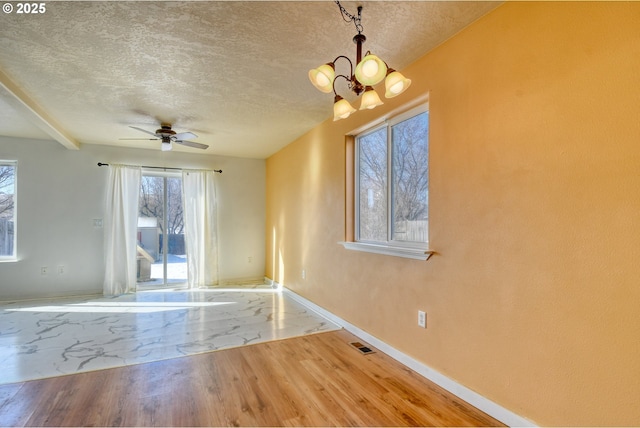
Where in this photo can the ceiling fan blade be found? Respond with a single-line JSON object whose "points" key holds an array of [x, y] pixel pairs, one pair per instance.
{"points": [[192, 144], [143, 130], [185, 136]]}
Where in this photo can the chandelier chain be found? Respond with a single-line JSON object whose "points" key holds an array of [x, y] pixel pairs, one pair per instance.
{"points": [[357, 20]]}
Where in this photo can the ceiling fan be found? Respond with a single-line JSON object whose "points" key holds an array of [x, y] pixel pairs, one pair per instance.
{"points": [[168, 136]]}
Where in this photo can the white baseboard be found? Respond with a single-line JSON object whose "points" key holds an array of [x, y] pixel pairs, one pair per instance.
{"points": [[487, 406]]}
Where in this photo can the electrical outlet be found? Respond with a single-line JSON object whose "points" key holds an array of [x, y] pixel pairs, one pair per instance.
{"points": [[304, 274], [249, 259], [422, 319], [60, 270], [44, 270]]}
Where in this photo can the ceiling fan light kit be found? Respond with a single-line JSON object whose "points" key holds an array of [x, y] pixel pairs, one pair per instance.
{"points": [[369, 71]]}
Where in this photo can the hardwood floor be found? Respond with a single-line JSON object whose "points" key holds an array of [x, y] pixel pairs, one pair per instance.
{"points": [[316, 380]]}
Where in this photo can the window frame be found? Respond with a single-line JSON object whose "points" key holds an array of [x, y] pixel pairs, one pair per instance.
{"points": [[393, 247], [14, 256]]}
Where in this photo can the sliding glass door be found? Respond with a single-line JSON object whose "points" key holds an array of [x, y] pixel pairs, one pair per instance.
{"points": [[160, 255]]}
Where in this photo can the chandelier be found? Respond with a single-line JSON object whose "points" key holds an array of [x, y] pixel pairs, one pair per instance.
{"points": [[369, 71]]}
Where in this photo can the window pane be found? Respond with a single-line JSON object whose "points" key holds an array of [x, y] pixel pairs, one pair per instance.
{"points": [[410, 186], [372, 176], [7, 209], [150, 260], [176, 258]]}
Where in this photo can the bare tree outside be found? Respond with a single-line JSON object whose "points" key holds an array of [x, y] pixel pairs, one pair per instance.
{"points": [[152, 202], [408, 190], [411, 178], [373, 185], [7, 186], [152, 198], [175, 219], [7, 209]]}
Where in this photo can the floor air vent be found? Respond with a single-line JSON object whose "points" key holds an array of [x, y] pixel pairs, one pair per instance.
{"points": [[362, 348]]}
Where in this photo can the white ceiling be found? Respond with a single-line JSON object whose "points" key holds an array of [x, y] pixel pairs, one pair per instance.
{"points": [[232, 72]]}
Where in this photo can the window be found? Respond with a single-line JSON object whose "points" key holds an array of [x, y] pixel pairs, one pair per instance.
{"points": [[7, 209], [391, 192]]}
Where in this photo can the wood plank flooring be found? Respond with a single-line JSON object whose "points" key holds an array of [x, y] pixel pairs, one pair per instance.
{"points": [[316, 380]]}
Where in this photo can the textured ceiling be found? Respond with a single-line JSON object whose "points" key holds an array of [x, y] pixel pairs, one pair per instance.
{"points": [[232, 72]]}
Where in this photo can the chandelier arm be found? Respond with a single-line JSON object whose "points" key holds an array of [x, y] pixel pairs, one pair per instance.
{"points": [[345, 78], [350, 63]]}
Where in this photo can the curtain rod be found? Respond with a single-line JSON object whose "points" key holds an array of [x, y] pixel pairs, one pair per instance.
{"points": [[159, 167]]}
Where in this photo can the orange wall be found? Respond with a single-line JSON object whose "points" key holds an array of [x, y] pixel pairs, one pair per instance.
{"points": [[533, 297]]}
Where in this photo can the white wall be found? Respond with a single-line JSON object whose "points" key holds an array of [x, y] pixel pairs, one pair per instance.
{"points": [[61, 191]]}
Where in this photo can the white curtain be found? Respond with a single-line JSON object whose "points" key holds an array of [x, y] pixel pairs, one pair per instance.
{"points": [[120, 227], [201, 227]]}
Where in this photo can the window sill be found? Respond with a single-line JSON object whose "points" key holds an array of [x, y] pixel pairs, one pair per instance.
{"points": [[406, 252]]}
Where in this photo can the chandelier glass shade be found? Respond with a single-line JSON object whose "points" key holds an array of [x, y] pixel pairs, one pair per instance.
{"points": [[395, 83], [342, 109], [370, 99], [323, 77], [369, 71]]}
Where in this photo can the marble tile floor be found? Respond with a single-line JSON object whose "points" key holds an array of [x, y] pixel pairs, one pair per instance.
{"points": [[40, 339]]}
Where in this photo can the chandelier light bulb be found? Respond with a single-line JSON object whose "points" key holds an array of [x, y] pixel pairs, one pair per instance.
{"points": [[322, 79], [370, 68], [396, 88]]}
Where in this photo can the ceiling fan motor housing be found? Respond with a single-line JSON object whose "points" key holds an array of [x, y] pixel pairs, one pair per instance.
{"points": [[168, 136], [165, 130]]}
